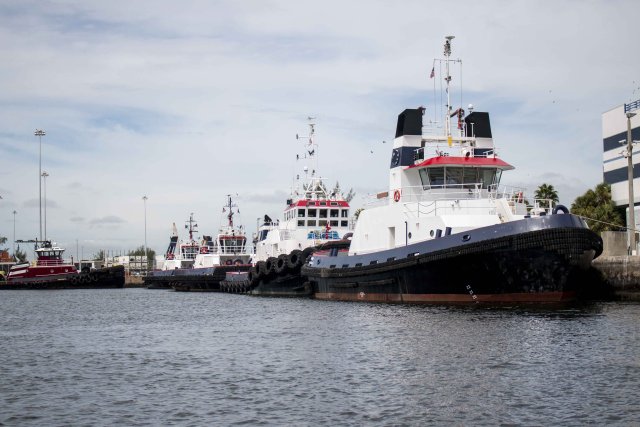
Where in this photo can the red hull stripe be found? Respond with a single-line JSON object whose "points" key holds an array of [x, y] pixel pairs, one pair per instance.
{"points": [[463, 161], [449, 298]]}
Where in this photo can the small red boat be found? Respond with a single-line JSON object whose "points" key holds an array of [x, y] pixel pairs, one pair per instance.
{"points": [[51, 271]]}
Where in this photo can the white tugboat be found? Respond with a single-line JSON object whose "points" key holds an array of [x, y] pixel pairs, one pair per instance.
{"points": [[203, 265], [446, 232], [313, 216], [187, 250]]}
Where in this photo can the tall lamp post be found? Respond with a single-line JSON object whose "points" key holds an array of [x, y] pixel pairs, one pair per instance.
{"points": [[631, 227], [40, 133], [45, 175], [14, 234], [146, 255]]}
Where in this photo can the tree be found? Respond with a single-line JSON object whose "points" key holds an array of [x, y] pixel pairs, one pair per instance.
{"points": [[19, 256], [100, 254], [139, 251], [545, 194], [597, 208], [357, 213]]}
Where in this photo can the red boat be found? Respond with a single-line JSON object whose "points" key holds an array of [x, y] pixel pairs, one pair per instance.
{"points": [[51, 271]]}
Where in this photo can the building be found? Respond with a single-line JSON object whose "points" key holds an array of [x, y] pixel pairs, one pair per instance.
{"points": [[614, 160], [135, 265]]}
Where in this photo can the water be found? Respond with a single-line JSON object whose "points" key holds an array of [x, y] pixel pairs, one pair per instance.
{"points": [[154, 357]]}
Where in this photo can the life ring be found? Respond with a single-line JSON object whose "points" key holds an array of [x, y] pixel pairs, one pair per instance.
{"points": [[560, 208], [396, 195], [204, 250]]}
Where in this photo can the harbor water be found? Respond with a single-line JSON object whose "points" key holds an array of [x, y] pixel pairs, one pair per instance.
{"points": [[156, 357]]}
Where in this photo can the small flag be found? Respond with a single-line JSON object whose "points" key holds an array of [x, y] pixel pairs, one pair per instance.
{"points": [[433, 73]]}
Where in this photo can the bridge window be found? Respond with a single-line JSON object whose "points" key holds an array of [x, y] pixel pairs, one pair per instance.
{"points": [[312, 213], [345, 213], [333, 223], [300, 213], [311, 222], [334, 213], [323, 213], [344, 223]]}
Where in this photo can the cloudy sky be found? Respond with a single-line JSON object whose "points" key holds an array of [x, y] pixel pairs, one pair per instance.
{"points": [[188, 101]]}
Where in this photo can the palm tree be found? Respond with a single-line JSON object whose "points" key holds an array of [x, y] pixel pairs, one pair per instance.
{"points": [[597, 208], [545, 194]]}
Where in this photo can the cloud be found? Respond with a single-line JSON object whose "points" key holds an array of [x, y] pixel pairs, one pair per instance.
{"points": [[109, 220]]}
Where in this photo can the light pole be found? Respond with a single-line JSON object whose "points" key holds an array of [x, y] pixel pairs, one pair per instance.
{"points": [[631, 227], [45, 175], [40, 133], [146, 256], [14, 234]]}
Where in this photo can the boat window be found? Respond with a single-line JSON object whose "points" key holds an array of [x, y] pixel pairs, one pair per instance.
{"points": [[311, 223], [454, 176], [496, 180], [300, 213], [323, 213], [301, 223], [344, 223], [436, 176], [470, 177], [323, 203], [424, 177], [333, 223], [487, 177], [334, 213], [334, 203], [312, 213], [345, 213], [322, 223]]}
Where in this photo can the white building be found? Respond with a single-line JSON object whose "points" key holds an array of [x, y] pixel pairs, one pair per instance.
{"points": [[615, 163]]}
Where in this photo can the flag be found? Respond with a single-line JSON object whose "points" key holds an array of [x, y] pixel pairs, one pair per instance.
{"points": [[433, 72]]}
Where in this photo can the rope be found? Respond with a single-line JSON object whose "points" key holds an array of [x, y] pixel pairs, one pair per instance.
{"points": [[606, 223]]}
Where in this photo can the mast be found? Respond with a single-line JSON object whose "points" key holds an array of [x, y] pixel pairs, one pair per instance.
{"points": [[447, 55], [230, 214], [192, 226]]}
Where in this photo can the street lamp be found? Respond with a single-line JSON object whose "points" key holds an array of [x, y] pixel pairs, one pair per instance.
{"points": [[146, 255], [40, 133], [14, 234], [45, 175], [631, 227]]}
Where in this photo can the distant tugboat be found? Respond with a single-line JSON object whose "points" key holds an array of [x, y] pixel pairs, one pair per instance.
{"points": [[445, 232], [51, 271], [209, 264], [313, 216]]}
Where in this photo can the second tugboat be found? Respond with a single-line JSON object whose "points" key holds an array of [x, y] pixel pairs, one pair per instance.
{"points": [[445, 232], [313, 217]]}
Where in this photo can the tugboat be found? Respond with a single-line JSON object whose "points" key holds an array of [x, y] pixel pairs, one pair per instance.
{"points": [[313, 216], [173, 263], [446, 232], [51, 271], [213, 259]]}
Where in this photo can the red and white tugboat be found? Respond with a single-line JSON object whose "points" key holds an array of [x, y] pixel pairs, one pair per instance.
{"points": [[313, 217], [446, 232], [51, 271]]}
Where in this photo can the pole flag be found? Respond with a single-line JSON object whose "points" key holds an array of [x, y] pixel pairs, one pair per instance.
{"points": [[433, 72]]}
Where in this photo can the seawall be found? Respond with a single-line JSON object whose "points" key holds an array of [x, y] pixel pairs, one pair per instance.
{"points": [[621, 274]]}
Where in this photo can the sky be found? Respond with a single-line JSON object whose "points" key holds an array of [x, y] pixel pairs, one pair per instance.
{"points": [[186, 102]]}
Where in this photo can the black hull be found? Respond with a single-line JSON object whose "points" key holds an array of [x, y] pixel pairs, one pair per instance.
{"points": [[288, 285], [528, 261], [103, 278], [193, 280]]}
